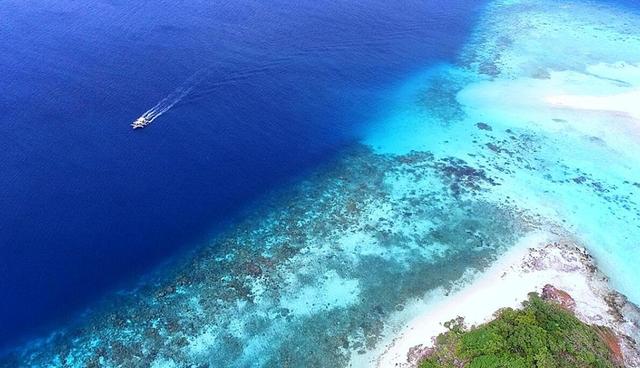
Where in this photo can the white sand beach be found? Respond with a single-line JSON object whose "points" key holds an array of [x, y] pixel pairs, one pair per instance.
{"points": [[537, 260]]}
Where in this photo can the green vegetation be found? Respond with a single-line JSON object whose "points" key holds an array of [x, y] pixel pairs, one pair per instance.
{"points": [[541, 335]]}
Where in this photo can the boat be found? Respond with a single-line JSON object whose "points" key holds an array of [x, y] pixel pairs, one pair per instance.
{"points": [[141, 122]]}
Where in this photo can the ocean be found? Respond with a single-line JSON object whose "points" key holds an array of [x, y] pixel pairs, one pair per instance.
{"points": [[312, 177], [275, 89]]}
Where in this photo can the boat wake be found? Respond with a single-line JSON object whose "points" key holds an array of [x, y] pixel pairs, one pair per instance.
{"points": [[170, 101]]}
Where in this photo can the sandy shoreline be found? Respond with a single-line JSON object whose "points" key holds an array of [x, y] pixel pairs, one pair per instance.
{"points": [[537, 260]]}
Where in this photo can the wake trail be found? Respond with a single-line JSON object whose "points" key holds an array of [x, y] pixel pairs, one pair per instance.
{"points": [[170, 101]]}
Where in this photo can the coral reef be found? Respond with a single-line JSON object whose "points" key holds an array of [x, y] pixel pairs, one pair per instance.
{"points": [[292, 284]]}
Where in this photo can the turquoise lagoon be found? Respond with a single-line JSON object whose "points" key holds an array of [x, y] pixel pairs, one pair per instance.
{"points": [[575, 166], [462, 162]]}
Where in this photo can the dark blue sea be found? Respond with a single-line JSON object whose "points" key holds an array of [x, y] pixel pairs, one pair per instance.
{"points": [[275, 88]]}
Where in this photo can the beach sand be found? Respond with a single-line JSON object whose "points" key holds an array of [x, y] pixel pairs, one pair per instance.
{"points": [[537, 260]]}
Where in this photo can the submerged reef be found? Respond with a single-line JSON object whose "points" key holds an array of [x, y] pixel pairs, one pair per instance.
{"points": [[309, 276]]}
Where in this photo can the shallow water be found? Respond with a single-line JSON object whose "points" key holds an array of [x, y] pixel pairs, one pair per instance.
{"points": [[578, 167], [310, 274], [458, 161]]}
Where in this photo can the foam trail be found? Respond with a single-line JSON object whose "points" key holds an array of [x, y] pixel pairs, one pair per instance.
{"points": [[170, 101]]}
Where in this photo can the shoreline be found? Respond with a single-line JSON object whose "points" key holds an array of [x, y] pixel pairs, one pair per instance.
{"points": [[537, 260]]}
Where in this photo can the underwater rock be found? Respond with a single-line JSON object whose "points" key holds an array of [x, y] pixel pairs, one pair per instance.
{"points": [[484, 126]]}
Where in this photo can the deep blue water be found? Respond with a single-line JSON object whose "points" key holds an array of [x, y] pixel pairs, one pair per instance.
{"points": [[87, 204]]}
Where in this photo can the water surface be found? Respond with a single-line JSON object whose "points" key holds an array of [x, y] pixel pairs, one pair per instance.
{"points": [[88, 204]]}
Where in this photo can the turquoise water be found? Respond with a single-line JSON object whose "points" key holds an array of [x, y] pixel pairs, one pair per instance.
{"points": [[577, 167], [462, 161]]}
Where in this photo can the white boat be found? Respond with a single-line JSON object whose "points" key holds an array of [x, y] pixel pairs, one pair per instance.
{"points": [[141, 122]]}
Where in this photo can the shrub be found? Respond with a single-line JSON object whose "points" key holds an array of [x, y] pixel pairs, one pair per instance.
{"points": [[540, 335]]}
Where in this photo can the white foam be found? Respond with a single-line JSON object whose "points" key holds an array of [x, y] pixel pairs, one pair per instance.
{"points": [[170, 101]]}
